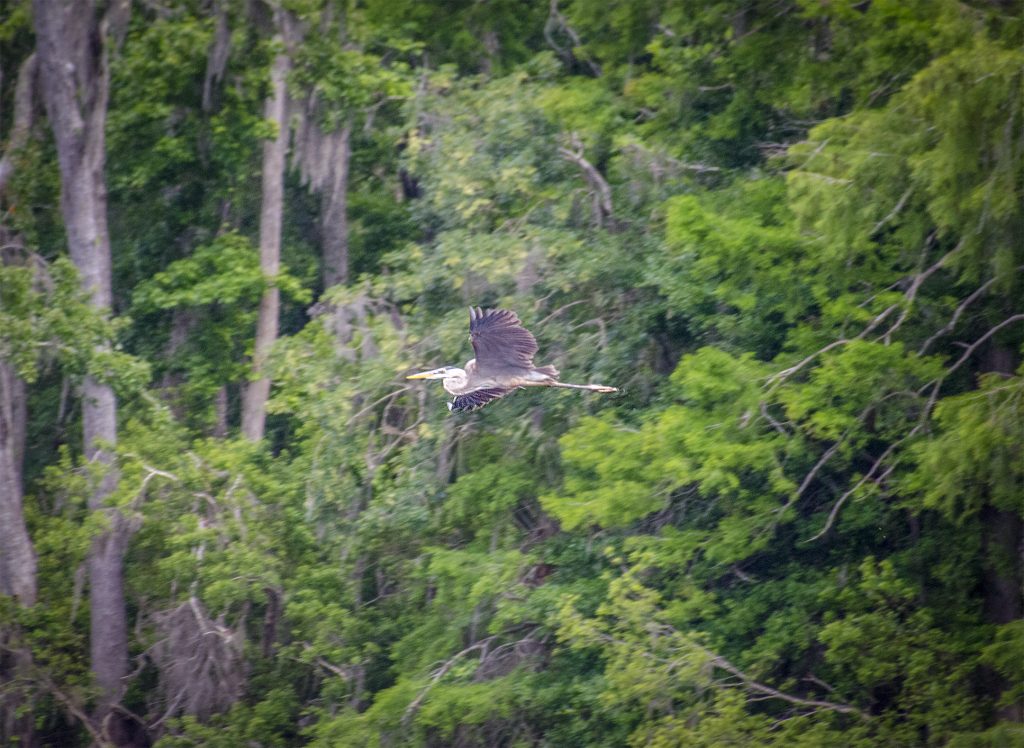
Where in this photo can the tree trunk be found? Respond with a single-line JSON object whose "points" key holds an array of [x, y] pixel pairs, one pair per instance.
{"points": [[335, 210], [254, 400], [18, 568], [1003, 543], [220, 409], [24, 96], [74, 83], [17, 557]]}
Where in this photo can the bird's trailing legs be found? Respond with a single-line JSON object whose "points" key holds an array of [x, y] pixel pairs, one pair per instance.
{"points": [[590, 387]]}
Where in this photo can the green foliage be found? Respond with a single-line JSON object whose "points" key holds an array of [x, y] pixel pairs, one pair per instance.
{"points": [[793, 526], [1004, 655], [346, 81], [976, 458], [45, 315]]}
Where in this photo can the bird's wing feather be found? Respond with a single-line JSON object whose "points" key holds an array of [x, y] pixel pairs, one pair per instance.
{"points": [[476, 399], [501, 343]]}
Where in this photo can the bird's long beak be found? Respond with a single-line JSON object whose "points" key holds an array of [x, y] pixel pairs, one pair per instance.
{"points": [[432, 374]]}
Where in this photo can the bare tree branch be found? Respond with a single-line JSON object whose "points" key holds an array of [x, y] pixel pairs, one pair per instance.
{"points": [[721, 663], [602, 192], [782, 376], [768, 417], [936, 386], [774, 693], [920, 278], [968, 352], [958, 312], [894, 212], [557, 22], [24, 96], [440, 673], [866, 477]]}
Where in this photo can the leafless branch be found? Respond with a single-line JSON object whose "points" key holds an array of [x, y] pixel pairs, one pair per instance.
{"points": [[200, 662], [601, 191], [894, 212], [378, 401], [968, 352], [866, 477], [919, 278], [440, 673], [768, 417], [830, 452], [75, 711], [340, 672], [813, 473], [958, 312], [811, 677], [742, 575], [560, 310], [780, 377], [757, 687], [557, 22], [746, 681]]}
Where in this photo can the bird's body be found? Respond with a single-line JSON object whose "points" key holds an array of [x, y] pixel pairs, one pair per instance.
{"points": [[504, 362]]}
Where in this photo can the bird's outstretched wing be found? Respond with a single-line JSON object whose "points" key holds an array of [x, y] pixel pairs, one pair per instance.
{"points": [[501, 343], [476, 399]]}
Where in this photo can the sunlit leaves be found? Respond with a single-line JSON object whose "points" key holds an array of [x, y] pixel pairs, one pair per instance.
{"points": [[977, 456], [224, 272], [347, 82], [858, 376], [931, 162], [728, 264], [500, 161], [45, 318]]}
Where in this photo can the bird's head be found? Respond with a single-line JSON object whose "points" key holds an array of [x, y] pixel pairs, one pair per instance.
{"points": [[443, 373]]}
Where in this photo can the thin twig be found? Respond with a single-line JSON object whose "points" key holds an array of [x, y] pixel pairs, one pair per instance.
{"points": [[376, 402], [781, 376], [776, 379]]}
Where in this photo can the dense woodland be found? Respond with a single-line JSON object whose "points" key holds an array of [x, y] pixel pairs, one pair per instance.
{"points": [[790, 231]]}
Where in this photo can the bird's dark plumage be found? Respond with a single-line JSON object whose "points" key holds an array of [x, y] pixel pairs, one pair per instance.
{"points": [[502, 345], [476, 399]]}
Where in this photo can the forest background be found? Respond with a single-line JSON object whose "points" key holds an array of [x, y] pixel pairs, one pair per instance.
{"points": [[792, 233]]}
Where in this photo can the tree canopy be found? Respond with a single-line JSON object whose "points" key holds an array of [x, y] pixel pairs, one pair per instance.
{"points": [[791, 233]]}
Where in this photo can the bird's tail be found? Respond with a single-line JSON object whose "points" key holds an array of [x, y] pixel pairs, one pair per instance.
{"points": [[548, 371]]}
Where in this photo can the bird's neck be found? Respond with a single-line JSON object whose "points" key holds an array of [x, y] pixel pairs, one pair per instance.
{"points": [[457, 382]]}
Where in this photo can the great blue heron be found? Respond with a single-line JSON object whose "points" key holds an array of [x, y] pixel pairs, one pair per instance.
{"points": [[504, 362]]}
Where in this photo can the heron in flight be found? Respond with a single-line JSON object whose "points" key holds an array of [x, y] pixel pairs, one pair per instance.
{"points": [[504, 362]]}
